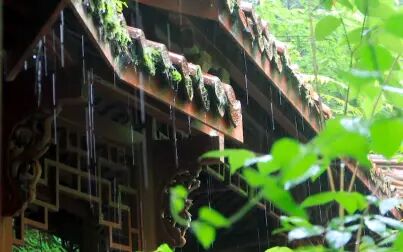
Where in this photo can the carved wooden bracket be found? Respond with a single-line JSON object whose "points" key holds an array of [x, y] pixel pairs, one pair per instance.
{"points": [[29, 141], [167, 175]]}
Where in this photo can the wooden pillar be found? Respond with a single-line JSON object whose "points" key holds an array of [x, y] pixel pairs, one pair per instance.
{"points": [[6, 234], [147, 190]]}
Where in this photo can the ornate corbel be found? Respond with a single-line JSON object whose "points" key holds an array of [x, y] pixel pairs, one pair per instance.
{"points": [[29, 140]]}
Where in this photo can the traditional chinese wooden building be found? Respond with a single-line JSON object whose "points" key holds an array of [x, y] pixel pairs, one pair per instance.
{"points": [[104, 111]]}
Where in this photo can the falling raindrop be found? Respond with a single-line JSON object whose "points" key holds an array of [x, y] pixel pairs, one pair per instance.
{"points": [[180, 12], [272, 116], [45, 55], [54, 50], [94, 154], [279, 97], [87, 137], [38, 66], [208, 190], [142, 106], [189, 126], [62, 38], [114, 79], [169, 35], [132, 138], [246, 78], [174, 130], [54, 108], [267, 224], [296, 126], [320, 208], [271, 109], [83, 55], [91, 152], [25, 65], [303, 124]]}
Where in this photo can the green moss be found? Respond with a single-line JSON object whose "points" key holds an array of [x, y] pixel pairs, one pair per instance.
{"points": [[232, 6], [187, 82], [201, 90], [108, 15], [175, 75], [148, 62]]}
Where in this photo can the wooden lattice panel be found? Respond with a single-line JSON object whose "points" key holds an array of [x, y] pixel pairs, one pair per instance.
{"points": [[65, 172]]}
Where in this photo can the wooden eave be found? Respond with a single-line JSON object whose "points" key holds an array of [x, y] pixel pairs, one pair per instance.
{"points": [[152, 87], [218, 11]]}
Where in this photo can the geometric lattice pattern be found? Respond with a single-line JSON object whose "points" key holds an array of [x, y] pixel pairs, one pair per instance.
{"points": [[109, 190]]}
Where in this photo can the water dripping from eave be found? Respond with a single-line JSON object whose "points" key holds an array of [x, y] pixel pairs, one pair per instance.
{"points": [[38, 72], [246, 78], [267, 224], [62, 39], [271, 109], [54, 108], [189, 126]]}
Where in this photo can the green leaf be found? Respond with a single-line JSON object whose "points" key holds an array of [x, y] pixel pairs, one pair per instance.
{"points": [[300, 170], [394, 25], [351, 201], [375, 225], [305, 232], [337, 222], [354, 36], [178, 194], [390, 222], [374, 57], [344, 137], [394, 95], [254, 178], [388, 204], [164, 248], [279, 249], [317, 248], [398, 244], [293, 221], [365, 5], [236, 157], [213, 217], [328, 4], [205, 233], [326, 26], [283, 149], [387, 136], [337, 239], [267, 165], [282, 199], [346, 3]]}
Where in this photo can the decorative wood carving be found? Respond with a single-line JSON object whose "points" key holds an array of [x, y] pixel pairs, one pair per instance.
{"points": [[29, 141], [167, 175]]}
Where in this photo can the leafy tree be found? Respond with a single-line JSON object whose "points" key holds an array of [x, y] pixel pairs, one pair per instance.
{"points": [[360, 43]]}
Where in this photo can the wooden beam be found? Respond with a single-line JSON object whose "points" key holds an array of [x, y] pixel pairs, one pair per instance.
{"points": [[152, 110], [198, 8], [152, 86], [16, 66]]}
